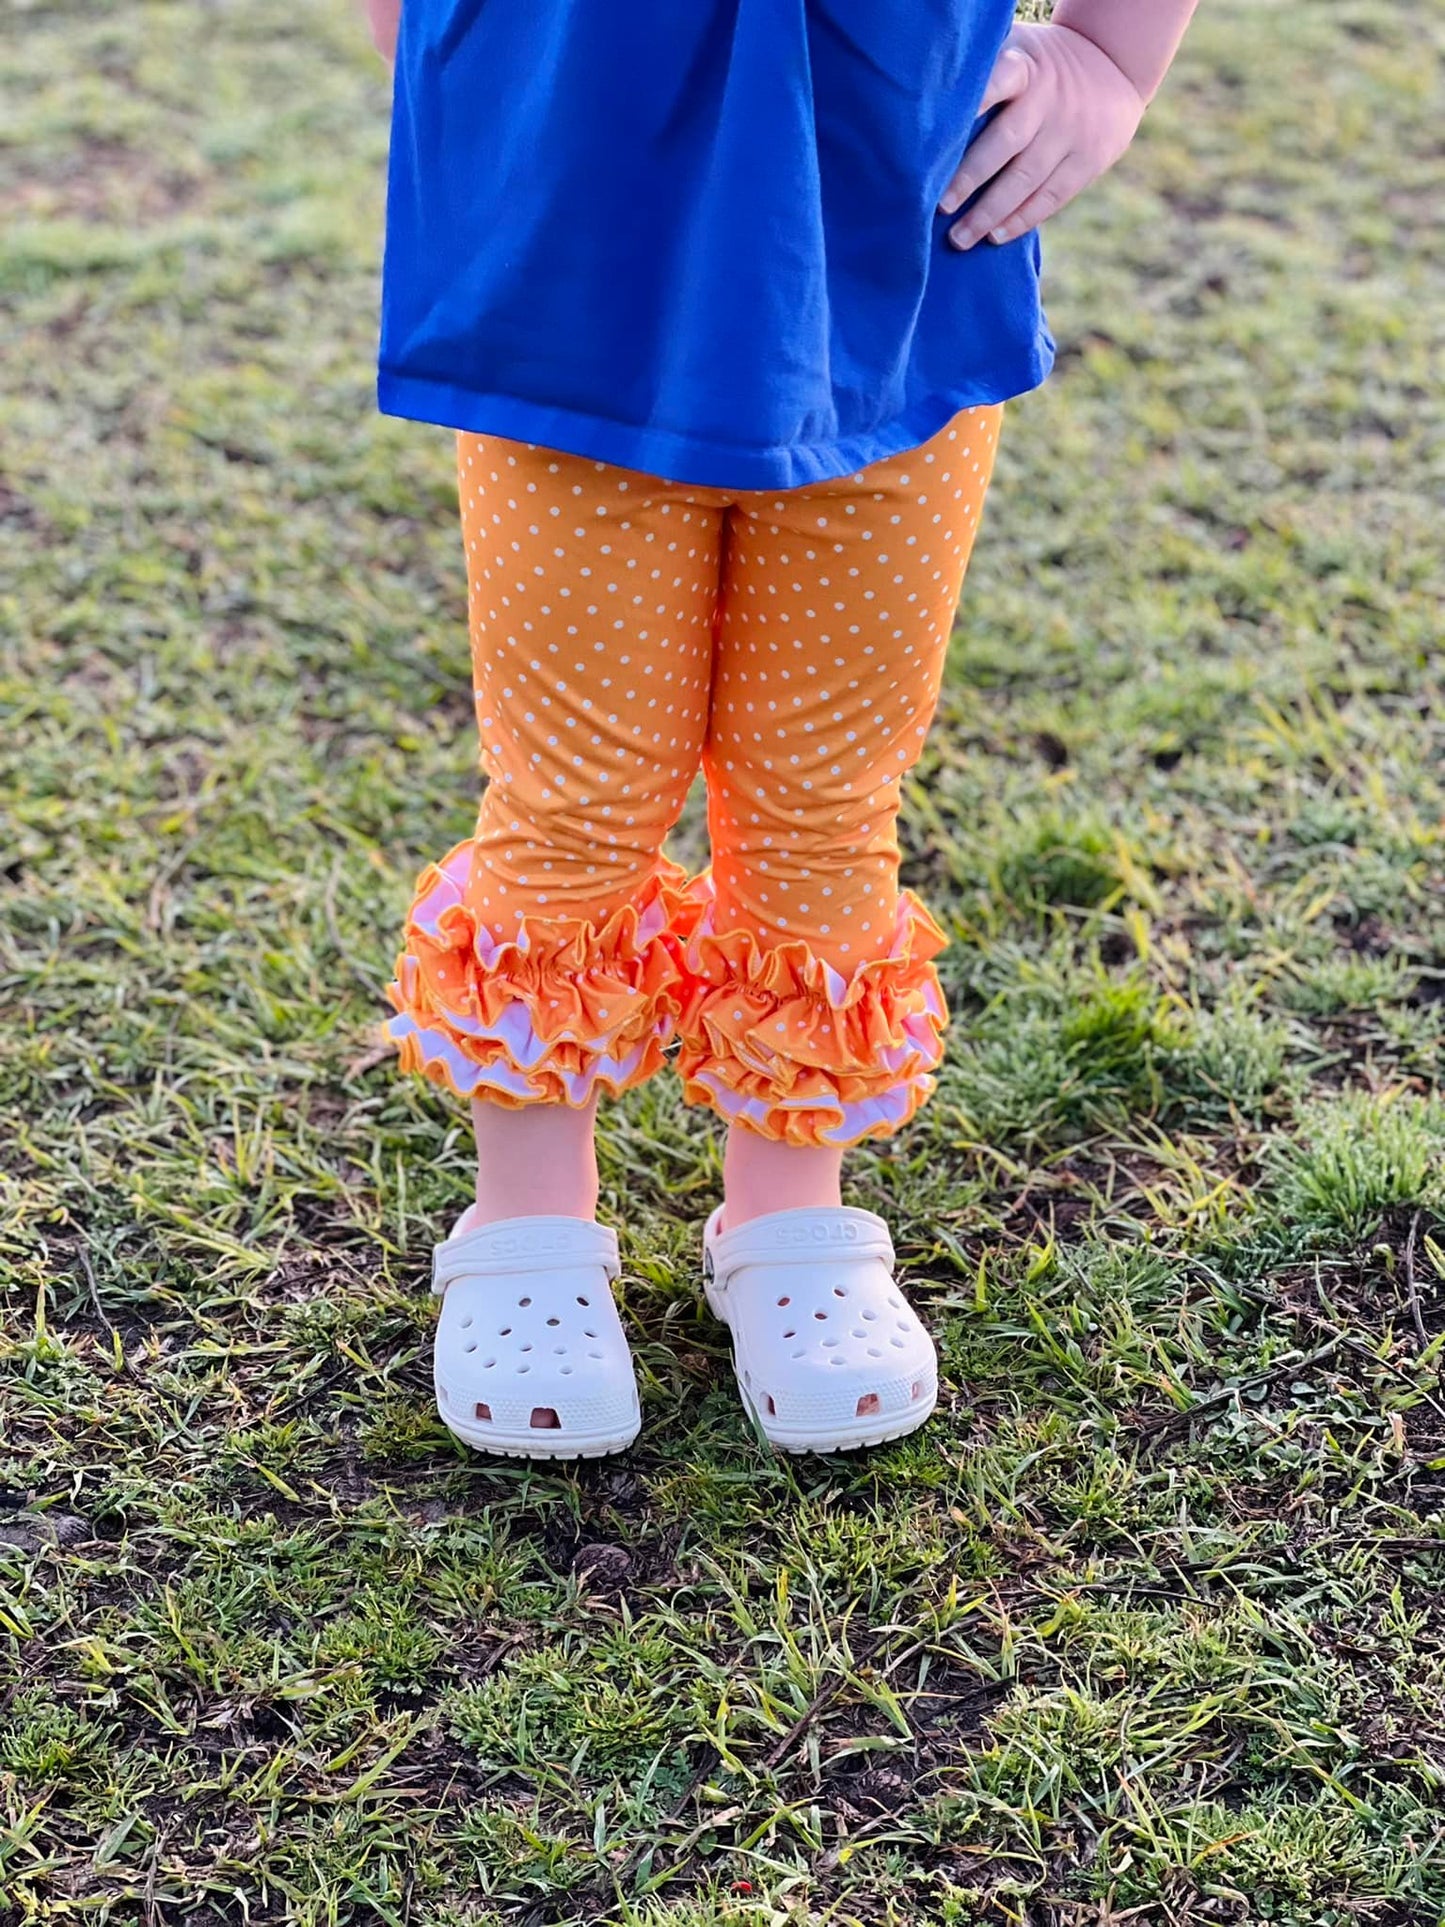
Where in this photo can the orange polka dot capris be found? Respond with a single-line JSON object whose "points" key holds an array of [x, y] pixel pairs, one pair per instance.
{"points": [[625, 632]]}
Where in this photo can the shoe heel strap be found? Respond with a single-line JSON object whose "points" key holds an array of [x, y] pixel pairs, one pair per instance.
{"points": [[822, 1241], [486, 1254]]}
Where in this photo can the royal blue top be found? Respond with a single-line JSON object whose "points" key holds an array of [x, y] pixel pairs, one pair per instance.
{"points": [[697, 237]]}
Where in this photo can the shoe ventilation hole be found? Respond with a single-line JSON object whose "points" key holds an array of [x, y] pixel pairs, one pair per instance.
{"points": [[785, 1301], [466, 1324], [524, 1301], [915, 1390], [903, 1324], [747, 1378], [870, 1316], [567, 1371], [472, 1347], [867, 1404], [873, 1352], [799, 1354], [897, 1343], [835, 1361], [544, 1419], [772, 1406], [791, 1334], [526, 1348], [559, 1351], [554, 1321], [839, 1291], [857, 1332], [587, 1334], [584, 1301], [488, 1364], [892, 1301], [484, 1413], [505, 1332], [594, 1354], [829, 1343], [820, 1314], [524, 1368]]}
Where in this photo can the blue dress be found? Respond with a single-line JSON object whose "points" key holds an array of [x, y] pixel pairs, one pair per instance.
{"points": [[697, 237]]}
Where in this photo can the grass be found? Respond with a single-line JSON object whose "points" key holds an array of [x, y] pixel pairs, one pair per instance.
{"points": [[1146, 1626]]}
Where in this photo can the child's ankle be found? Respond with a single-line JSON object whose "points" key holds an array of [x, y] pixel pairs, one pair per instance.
{"points": [[761, 1176], [536, 1161], [483, 1212]]}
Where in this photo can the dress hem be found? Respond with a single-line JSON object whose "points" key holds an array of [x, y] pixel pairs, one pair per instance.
{"points": [[688, 459]]}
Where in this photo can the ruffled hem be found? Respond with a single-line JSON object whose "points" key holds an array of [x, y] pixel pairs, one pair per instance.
{"points": [[777, 1040], [547, 1016]]}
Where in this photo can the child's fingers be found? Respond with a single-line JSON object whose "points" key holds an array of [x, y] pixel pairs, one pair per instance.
{"points": [[1067, 180], [1006, 193], [1010, 77], [995, 147]]}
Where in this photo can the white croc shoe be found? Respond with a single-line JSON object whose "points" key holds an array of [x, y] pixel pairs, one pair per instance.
{"points": [[531, 1360], [828, 1352]]}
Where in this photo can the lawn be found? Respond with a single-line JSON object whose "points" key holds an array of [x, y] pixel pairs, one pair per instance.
{"points": [[1147, 1625]]}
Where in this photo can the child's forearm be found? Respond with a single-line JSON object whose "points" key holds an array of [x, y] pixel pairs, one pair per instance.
{"points": [[384, 17], [1141, 37]]}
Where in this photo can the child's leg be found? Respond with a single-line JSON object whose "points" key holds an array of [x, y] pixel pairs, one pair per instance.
{"points": [[538, 967], [537, 1161], [816, 1019]]}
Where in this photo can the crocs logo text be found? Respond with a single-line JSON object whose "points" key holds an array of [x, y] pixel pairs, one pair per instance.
{"points": [[517, 1246], [817, 1234]]}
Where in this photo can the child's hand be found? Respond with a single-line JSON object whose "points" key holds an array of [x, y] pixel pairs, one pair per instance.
{"points": [[384, 17], [1067, 114]]}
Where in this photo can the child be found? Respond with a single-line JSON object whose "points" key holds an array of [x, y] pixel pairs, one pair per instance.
{"points": [[724, 298]]}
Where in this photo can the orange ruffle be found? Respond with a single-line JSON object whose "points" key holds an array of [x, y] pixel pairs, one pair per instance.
{"points": [[548, 1015], [776, 1040]]}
